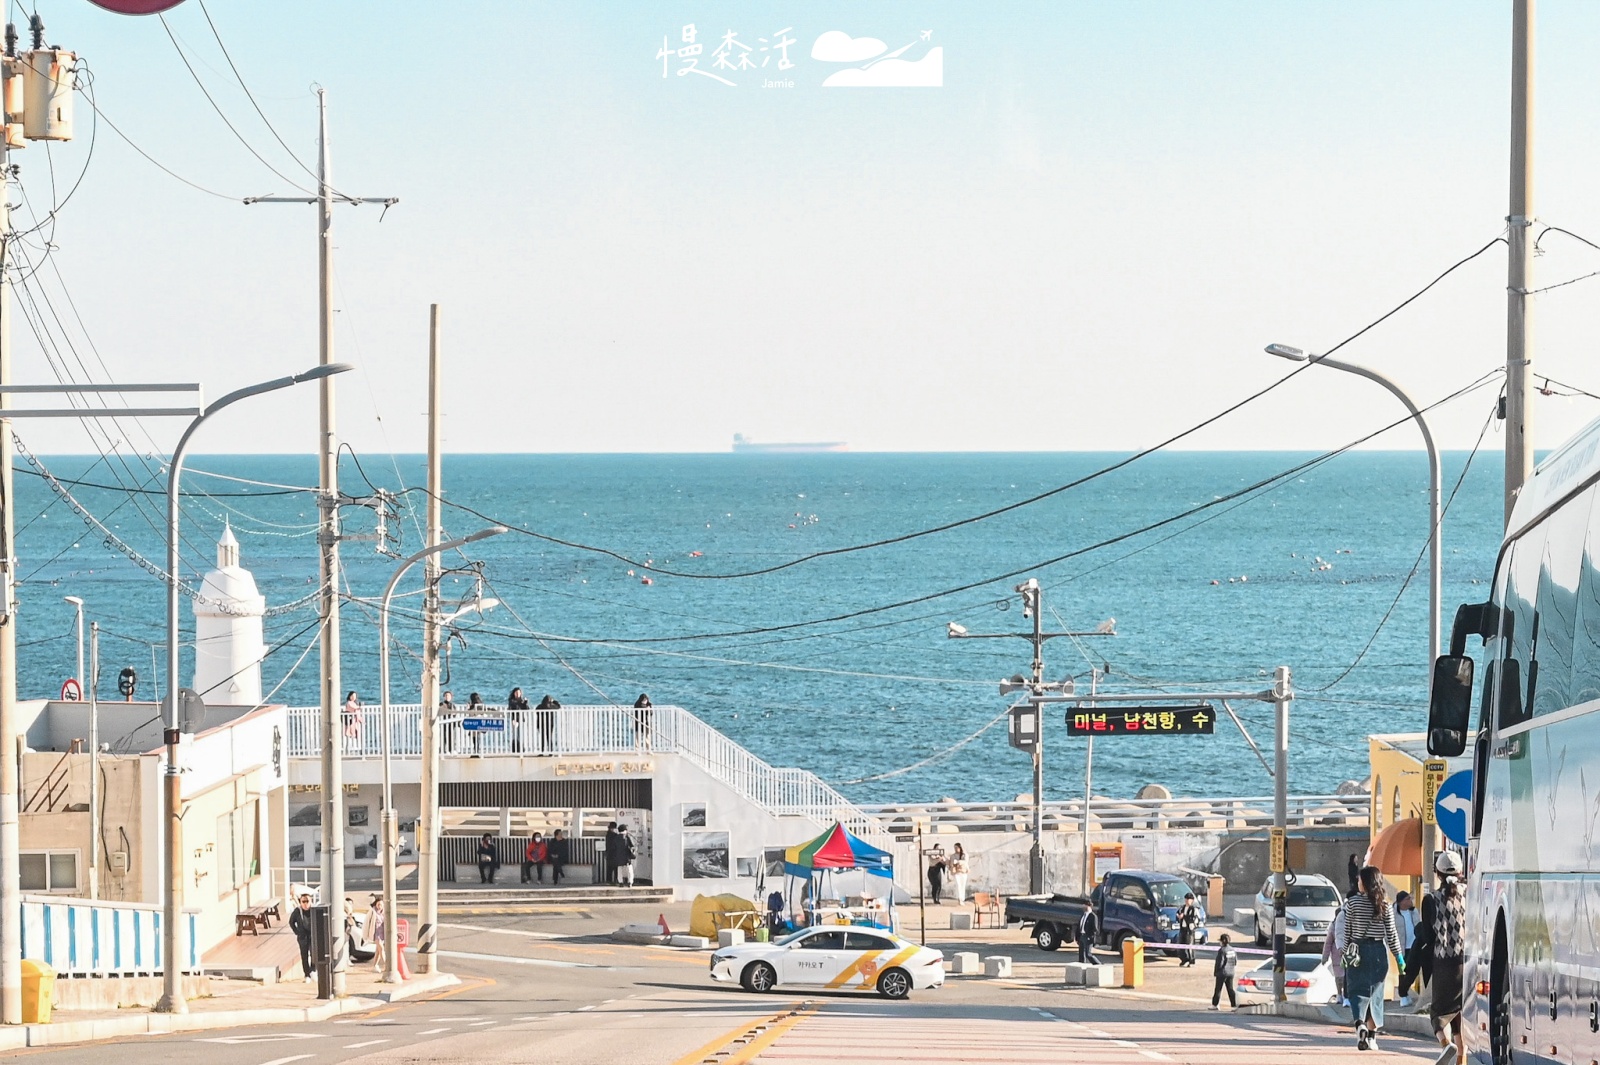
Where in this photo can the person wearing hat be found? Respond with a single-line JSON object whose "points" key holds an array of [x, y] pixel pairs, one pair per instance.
{"points": [[1188, 924], [1445, 913]]}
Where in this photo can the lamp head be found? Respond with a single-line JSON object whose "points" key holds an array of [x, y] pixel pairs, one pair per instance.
{"points": [[956, 631], [319, 372], [75, 601], [484, 534], [1284, 351]]}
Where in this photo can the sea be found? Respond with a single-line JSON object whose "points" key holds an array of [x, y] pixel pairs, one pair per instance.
{"points": [[729, 584]]}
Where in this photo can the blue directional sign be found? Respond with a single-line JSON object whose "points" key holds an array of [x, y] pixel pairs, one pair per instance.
{"points": [[1451, 805], [483, 724]]}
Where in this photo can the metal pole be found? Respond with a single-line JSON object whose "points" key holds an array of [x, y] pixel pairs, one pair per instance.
{"points": [[10, 864], [1036, 852], [922, 881], [328, 568], [1088, 793], [1519, 356], [78, 605], [428, 819], [1281, 695], [94, 759]]}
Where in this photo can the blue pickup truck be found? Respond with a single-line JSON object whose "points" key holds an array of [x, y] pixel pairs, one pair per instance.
{"points": [[1130, 904]]}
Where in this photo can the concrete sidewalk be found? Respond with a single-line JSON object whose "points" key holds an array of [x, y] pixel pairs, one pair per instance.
{"points": [[236, 1003]]}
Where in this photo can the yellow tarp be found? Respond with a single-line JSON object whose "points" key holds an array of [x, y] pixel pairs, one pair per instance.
{"points": [[709, 913]]}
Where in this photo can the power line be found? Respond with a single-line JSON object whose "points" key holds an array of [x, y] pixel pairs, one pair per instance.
{"points": [[88, 94]]}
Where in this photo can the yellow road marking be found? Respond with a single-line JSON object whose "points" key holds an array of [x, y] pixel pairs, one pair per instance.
{"points": [[753, 1034]]}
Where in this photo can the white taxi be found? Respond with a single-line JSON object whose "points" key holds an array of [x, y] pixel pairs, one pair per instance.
{"points": [[843, 958]]}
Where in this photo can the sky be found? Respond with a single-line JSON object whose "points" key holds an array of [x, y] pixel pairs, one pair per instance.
{"points": [[1081, 240]]}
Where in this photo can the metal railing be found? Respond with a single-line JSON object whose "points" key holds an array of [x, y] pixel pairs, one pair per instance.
{"points": [[592, 730], [77, 937], [1114, 814]]}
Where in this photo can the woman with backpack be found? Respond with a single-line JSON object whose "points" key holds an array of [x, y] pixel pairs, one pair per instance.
{"points": [[1370, 937]]}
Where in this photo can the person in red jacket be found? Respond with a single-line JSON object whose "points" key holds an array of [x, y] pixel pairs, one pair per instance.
{"points": [[535, 857]]}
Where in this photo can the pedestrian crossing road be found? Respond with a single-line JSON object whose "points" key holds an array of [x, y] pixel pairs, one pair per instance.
{"points": [[838, 1033]]}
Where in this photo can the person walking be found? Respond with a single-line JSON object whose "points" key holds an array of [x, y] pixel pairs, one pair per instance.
{"points": [[1352, 870], [559, 852], [1333, 957], [608, 863], [376, 923], [1188, 923], [488, 859], [452, 729], [1446, 919], [475, 708], [533, 858], [515, 703], [350, 716], [626, 853], [1088, 931], [936, 864], [1370, 937], [300, 925], [545, 718], [1222, 969], [958, 874], [1406, 920]]}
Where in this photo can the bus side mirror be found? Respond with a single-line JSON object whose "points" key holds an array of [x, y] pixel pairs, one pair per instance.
{"points": [[1450, 706]]}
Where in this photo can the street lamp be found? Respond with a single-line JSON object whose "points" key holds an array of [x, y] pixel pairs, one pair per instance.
{"points": [[1032, 607], [172, 999], [78, 603], [389, 824], [1435, 516]]}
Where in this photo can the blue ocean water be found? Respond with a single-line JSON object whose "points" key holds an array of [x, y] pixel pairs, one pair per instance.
{"points": [[1298, 575]]}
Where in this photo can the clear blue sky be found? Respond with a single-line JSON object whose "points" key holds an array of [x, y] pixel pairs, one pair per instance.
{"points": [[1081, 241]]}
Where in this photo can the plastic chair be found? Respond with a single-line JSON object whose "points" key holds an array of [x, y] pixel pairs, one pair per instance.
{"points": [[985, 904]]}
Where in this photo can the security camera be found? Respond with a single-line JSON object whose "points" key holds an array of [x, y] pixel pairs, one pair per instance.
{"points": [[956, 630]]}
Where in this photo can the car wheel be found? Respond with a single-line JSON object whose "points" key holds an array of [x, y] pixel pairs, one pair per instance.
{"points": [[759, 977], [1047, 937], [894, 983], [1261, 940]]}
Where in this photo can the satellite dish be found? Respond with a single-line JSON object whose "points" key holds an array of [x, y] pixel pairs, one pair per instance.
{"points": [[191, 710]]}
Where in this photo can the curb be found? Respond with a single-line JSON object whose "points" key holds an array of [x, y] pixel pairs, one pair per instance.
{"points": [[37, 1035], [1408, 1023]]}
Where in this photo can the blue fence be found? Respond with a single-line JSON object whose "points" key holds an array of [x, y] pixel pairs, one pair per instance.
{"points": [[77, 937]]}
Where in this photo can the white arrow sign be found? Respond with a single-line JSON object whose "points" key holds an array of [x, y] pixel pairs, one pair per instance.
{"points": [[1456, 804]]}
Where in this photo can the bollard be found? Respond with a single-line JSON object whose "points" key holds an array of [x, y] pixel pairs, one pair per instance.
{"points": [[730, 937], [997, 965], [960, 921], [322, 947], [1084, 974], [1132, 962], [964, 963]]}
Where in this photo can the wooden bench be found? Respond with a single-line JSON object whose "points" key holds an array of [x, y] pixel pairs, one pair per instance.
{"points": [[257, 917]]}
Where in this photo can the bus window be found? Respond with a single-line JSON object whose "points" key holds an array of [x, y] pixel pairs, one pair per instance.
{"points": [[1519, 630], [1586, 636], [1559, 571]]}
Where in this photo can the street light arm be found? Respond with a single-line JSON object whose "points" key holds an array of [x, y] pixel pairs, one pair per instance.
{"points": [[1394, 389]]}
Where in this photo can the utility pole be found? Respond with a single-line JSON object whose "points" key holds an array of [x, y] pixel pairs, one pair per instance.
{"points": [[1032, 606], [1519, 356], [428, 822], [10, 861], [328, 541], [1282, 694], [94, 760]]}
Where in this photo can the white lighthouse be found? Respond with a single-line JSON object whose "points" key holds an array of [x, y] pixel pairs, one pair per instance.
{"points": [[227, 631]]}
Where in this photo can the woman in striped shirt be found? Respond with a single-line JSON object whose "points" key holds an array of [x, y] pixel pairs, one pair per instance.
{"points": [[1368, 928]]}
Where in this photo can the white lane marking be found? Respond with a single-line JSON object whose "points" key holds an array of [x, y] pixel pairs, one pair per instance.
{"points": [[508, 960], [479, 1024], [434, 1031], [276, 1037], [285, 1061], [368, 1043], [507, 931], [1154, 1055], [585, 1009], [359, 1021]]}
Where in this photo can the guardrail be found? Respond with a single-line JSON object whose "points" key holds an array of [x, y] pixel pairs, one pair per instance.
{"points": [[1114, 814], [78, 937]]}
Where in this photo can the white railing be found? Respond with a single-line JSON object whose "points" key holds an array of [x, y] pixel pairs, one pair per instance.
{"points": [[585, 730], [77, 937], [1111, 814]]}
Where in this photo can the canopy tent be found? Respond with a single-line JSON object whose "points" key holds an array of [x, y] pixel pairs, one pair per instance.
{"points": [[816, 863], [837, 848]]}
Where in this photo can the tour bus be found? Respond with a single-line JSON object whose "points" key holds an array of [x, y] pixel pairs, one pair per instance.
{"points": [[1532, 976]]}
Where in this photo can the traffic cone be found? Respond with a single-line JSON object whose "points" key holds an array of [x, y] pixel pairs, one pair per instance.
{"points": [[661, 919]]}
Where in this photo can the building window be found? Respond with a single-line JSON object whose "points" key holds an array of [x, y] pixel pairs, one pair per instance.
{"points": [[1377, 804], [1397, 811], [238, 847], [49, 870]]}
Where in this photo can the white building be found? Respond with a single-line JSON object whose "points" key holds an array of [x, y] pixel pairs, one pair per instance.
{"points": [[227, 631]]}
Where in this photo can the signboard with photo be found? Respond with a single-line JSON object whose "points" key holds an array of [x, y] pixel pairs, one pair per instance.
{"points": [[705, 856], [694, 815]]}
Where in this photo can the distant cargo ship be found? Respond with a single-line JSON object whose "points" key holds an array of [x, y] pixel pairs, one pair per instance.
{"points": [[744, 443]]}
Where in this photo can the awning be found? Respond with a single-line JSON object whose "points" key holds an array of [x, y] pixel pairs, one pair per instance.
{"points": [[1398, 849]]}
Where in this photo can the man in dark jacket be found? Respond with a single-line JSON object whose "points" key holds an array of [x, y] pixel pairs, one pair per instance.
{"points": [[1223, 969], [560, 852], [488, 859], [626, 853], [611, 861], [1088, 930], [1188, 925], [300, 925]]}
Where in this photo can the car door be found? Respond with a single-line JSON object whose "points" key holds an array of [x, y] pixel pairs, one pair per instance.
{"points": [[870, 953], [816, 959]]}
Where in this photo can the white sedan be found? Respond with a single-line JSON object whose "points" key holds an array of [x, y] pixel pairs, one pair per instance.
{"points": [[1306, 979], [851, 959]]}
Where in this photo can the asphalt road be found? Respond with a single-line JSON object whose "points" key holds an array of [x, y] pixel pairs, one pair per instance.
{"points": [[555, 989]]}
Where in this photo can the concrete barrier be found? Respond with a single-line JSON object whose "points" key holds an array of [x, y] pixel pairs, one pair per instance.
{"points": [[997, 965], [960, 921], [1245, 919], [730, 937], [1087, 974], [692, 942], [965, 963]]}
